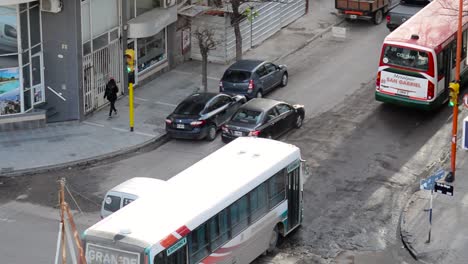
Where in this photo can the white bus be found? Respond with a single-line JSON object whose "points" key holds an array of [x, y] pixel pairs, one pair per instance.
{"points": [[230, 207]]}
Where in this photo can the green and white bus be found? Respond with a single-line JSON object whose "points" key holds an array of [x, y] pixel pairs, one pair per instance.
{"points": [[230, 207]]}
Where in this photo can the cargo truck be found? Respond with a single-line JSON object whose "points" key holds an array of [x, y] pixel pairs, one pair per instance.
{"points": [[363, 9]]}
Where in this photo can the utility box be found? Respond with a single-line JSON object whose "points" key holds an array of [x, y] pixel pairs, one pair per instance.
{"points": [[465, 130]]}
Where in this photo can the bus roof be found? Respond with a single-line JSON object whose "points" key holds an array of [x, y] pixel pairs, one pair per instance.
{"points": [[139, 185], [197, 193], [434, 25]]}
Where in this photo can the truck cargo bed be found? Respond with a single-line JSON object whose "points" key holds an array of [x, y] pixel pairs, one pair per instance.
{"points": [[361, 5]]}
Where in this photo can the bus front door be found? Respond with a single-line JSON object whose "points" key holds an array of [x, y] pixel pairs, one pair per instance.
{"points": [[294, 202]]}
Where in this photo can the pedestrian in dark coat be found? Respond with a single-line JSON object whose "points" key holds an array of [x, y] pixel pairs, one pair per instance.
{"points": [[111, 95]]}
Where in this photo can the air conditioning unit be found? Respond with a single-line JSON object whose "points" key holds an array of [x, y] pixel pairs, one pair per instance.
{"points": [[168, 3], [53, 6]]}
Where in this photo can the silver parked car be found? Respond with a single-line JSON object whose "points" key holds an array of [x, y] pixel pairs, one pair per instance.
{"points": [[253, 78]]}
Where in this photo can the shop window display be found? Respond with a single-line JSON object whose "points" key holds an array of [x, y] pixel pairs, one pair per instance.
{"points": [[10, 87], [151, 50]]}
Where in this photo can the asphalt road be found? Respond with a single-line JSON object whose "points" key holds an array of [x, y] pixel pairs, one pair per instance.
{"points": [[363, 158]]}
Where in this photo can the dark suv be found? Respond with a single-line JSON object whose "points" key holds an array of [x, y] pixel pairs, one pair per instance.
{"points": [[253, 78]]}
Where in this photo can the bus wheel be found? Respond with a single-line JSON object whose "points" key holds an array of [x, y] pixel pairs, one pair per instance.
{"points": [[378, 17], [273, 240]]}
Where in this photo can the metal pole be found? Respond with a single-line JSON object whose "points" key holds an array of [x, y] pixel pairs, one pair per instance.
{"points": [[451, 176], [430, 219], [76, 236], [130, 105], [62, 218], [57, 251]]}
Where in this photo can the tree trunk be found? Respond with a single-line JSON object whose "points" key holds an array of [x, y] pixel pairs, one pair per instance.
{"points": [[237, 33], [235, 21], [204, 71]]}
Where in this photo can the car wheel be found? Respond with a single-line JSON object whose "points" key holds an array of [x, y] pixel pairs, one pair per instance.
{"points": [[284, 80], [211, 135], [273, 240], [259, 94], [299, 121], [269, 136]]}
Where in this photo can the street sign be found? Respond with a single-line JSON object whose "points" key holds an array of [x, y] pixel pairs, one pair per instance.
{"points": [[428, 183], [443, 188]]}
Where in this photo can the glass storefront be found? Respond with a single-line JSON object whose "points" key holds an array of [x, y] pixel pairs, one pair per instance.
{"points": [[10, 86], [151, 51], [21, 76]]}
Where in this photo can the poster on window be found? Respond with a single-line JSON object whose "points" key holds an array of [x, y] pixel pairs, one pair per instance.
{"points": [[185, 40], [8, 37], [10, 99]]}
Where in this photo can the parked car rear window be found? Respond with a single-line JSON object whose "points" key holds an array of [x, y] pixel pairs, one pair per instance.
{"points": [[247, 116], [190, 107], [112, 203], [236, 76]]}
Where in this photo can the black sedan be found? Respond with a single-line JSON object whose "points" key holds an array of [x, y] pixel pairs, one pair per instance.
{"points": [[262, 117], [201, 115]]}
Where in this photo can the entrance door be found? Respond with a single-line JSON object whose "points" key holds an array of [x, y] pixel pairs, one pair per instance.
{"points": [[294, 192]]}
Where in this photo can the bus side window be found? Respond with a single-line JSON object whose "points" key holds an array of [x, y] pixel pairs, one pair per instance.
{"points": [[463, 51], [440, 63], [454, 54], [277, 188], [198, 244], [258, 202], [219, 231]]}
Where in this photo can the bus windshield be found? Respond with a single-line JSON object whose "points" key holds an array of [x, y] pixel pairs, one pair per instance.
{"points": [[406, 57]]}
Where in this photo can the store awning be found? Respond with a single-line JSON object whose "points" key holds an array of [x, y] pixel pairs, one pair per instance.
{"points": [[13, 2], [152, 22]]}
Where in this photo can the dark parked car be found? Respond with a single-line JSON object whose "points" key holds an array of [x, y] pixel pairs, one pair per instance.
{"points": [[201, 115], [263, 117], [253, 78]]}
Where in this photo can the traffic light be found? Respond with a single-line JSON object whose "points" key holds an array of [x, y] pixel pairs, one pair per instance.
{"points": [[454, 89], [130, 58]]}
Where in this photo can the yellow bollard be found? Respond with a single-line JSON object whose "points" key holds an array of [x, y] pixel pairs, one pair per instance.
{"points": [[130, 105]]}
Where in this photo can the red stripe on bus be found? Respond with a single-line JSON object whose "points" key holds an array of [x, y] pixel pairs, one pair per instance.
{"points": [[214, 259], [168, 241], [183, 230]]}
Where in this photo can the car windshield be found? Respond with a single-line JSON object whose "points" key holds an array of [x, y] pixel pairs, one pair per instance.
{"points": [[247, 116], [406, 57], [190, 106], [236, 76]]}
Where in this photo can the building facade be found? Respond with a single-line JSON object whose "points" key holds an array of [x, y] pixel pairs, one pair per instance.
{"points": [[57, 56]]}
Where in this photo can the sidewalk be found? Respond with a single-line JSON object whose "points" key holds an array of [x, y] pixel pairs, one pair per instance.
{"points": [[449, 232], [67, 144]]}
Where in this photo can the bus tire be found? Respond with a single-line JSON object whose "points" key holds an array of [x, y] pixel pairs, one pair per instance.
{"points": [[273, 240], [378, 17]]}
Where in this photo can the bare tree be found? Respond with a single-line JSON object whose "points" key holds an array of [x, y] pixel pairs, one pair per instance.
{"points": [[206, 43]]}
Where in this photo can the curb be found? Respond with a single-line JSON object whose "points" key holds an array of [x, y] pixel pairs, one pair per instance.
{"points": [[404, 234], [158, 141], [308, 41]]}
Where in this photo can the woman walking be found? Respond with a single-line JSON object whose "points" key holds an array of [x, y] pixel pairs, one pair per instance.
{"points": [[111, 95]]}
